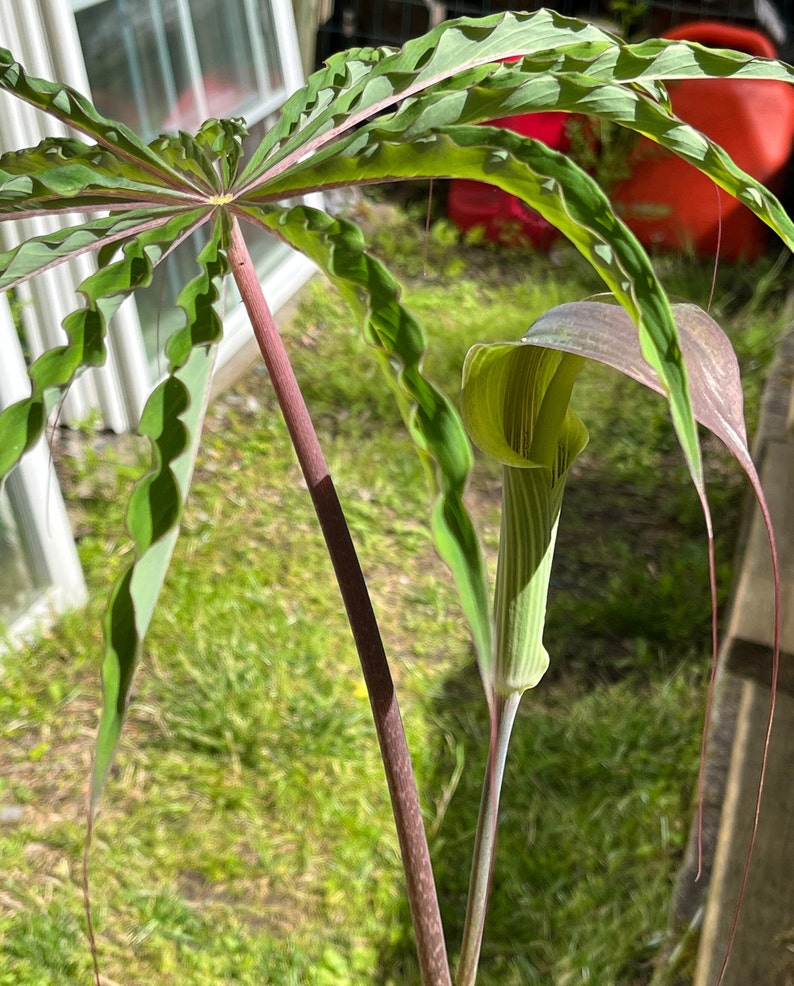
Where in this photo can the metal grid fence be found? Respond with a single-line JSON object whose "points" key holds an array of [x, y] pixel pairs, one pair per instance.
{"points": [[357, 23]]}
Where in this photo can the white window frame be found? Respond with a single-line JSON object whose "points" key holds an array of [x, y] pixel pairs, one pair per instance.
{"points": [[44, 37]]}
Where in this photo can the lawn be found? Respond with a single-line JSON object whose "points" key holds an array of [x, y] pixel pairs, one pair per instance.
{"points": [[245, 834]]}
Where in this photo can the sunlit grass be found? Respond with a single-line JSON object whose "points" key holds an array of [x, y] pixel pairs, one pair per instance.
{"points": [[245, 835]]}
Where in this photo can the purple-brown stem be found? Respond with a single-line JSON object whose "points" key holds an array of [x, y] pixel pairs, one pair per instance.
{"points": [[421, 888]]}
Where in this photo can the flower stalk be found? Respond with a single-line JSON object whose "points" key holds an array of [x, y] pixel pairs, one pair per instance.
{"points": [[431, 947], [515, 402], [506, 707]]}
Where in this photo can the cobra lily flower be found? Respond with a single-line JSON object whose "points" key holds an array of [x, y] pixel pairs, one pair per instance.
{"points": [[515, 403]]}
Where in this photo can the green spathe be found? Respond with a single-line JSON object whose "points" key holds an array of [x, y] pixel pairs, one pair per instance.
{"points": [[515, 402]]}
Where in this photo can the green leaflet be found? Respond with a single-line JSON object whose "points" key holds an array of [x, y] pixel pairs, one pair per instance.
{"points": [[22, 423], [352, 89], [221, 142], [663, 59], [510, 91], [458, 55], [67, 175], [634, 110], [172, 420], [338, 248], [217, 141], [77, 112], [570, 77], [40, 253], [515, 403]]}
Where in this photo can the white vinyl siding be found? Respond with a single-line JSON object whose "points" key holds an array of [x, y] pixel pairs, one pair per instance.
{"points": [[39, 569], [158, 65]]}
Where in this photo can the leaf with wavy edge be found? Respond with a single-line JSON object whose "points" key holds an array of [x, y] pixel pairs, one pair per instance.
{"points": [[648, 63], [350, 91], [347, 92], [510, 91], [74, 110], [337, 247], [661, 59], [64, 174], [172, 420], [221, 143], [40, 253], [506, 94], [22, 423], [192, 156]]}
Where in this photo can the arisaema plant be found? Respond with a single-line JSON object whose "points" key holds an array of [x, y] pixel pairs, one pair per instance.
{"points": [[516, 406], [376, 115]]}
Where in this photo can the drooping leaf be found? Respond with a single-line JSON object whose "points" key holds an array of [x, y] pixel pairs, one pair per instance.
{"points": [[571, 201], [337, 247], [22, 423], [369, 81], [455, 58], [172, 420], [603, 332], [666, 59], [569, 78], [40, 253], [382, 150], [511, 91]]}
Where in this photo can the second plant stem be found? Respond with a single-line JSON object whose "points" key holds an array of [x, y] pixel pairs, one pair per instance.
{"points": [[504, 711], [431, 947]]}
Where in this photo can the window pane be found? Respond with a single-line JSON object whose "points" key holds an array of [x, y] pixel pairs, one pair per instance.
{"points": [[168, 64], [226, 55], [270, 54], [136, 60]]}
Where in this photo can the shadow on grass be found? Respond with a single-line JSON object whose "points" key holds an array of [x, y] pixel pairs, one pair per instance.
{"points": [[593, 820], [603, 761]]}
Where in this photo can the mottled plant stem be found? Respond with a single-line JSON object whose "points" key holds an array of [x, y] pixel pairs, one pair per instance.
{"points": [[421, 888], [505, 708]]}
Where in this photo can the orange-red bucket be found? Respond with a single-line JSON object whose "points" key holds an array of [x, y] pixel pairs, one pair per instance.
{"points": [[669, 203], [502, 217]]}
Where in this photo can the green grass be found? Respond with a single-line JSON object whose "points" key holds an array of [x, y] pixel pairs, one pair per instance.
{"points": [[245, 835]]}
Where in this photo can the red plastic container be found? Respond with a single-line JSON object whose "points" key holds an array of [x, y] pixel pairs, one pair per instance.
{"points": [[670, 204], [502, 217]]}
